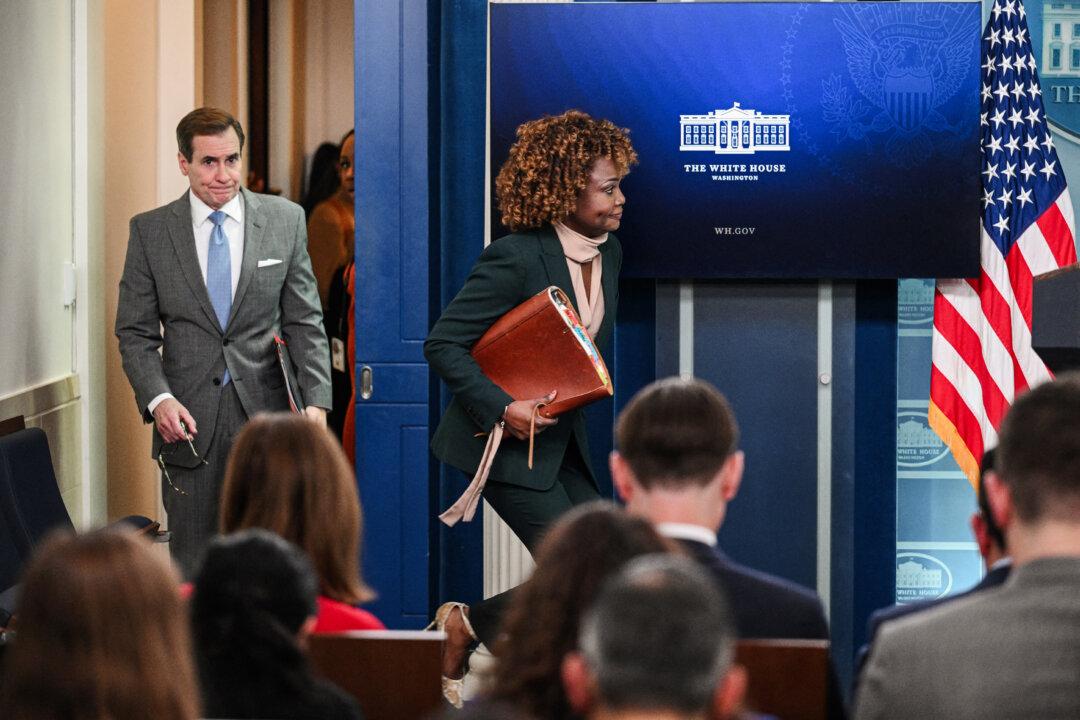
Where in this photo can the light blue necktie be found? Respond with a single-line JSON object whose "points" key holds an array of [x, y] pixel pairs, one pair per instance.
{"points": [[219, 274]]}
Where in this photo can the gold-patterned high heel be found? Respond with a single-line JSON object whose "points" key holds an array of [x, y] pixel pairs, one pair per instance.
{"points": [[453, 688]]}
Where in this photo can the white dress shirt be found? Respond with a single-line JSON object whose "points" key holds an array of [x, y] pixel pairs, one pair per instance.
{"points": [[685, 531]]}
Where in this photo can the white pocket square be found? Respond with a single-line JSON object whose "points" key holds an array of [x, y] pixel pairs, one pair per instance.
{"points": [[268, 262]]}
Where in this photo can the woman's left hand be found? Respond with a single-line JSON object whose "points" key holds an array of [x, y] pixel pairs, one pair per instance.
{"points": [[518, 416]]}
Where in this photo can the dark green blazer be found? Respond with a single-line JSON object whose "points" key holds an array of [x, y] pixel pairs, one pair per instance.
{"points": [[509, 271]]}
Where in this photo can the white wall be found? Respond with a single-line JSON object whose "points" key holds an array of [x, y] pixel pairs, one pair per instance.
{"points": [[36, 235]]}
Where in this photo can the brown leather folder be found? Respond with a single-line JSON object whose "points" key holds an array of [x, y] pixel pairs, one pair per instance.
{"points": [[541, 346]]}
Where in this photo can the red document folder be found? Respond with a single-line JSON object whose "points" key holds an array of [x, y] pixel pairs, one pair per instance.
{"points": [[541, 346]]}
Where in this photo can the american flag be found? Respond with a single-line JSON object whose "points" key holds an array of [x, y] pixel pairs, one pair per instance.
{"points": [[982, 356]]}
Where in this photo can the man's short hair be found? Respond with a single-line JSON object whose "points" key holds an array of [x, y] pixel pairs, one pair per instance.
{"points": [[1038, 451], [660, 636], [204, 121], [676, 431]]}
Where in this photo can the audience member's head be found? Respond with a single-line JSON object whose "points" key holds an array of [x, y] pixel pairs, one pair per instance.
{"points": [[323, 180], [659, 638], [1035, 491], [102, 634], [253, 605], [676, 451], [583, 549], [988, 534], [346, 166], [289, 475]]}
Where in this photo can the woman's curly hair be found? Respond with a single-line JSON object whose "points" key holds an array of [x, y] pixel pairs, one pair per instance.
{"points": [[550, 163]]}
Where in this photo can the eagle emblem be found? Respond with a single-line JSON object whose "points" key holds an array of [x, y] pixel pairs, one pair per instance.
{"points": [[906, 61]]}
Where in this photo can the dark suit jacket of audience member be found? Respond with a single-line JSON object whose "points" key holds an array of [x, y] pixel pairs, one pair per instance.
{"points": [[879, 617], [768, 607], [765, 606]]}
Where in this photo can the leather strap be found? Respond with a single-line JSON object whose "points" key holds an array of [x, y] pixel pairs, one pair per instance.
{"points": [[464, 508], [532, 429]]}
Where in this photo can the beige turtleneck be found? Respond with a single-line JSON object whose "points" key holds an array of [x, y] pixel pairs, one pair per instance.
{"points": [[580, 250]]}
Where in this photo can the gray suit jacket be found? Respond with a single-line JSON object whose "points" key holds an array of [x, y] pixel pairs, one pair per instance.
{"points": [[1013, 652], [164, 305]]}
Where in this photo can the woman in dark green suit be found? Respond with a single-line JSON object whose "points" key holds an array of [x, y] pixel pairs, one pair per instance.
{"points": [[559, 192]]}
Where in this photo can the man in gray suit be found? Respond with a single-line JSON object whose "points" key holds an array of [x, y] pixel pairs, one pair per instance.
{"points": [[209, 281], [1013, 652]]}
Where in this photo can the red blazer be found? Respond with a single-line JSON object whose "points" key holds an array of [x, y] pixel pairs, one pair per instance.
{"points": [[331, 615]]}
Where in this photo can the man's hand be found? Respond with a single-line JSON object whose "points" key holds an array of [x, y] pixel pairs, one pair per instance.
{"points": [[519, 413], [168, 415], [316, 415]]}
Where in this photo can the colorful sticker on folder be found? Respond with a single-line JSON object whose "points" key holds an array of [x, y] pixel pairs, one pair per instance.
{"points": [[582, 335]]}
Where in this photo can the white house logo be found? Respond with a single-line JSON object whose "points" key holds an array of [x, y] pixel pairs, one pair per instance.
{"points": [[916, 444], [735, 131], [915, 302], [921, 577]]}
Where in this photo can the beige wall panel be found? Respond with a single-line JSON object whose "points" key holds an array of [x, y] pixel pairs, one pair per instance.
{"points": [[328, 73], [90, 258], [131, 144]]}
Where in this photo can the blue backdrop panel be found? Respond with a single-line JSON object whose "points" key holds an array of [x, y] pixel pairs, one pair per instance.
{"points": [[758, 344], [776, 140]]}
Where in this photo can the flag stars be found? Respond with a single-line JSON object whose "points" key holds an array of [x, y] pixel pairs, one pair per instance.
{"points": [[998, 118], [1033, 116], [1004, 199], [1017, 91], [1013, 144], [1009, 171], [1016, 117], [994, 146], [1031, 144], [1010, 8], [994, 38], [1028, 171], [1048, 169], [1006, 64], [1002, 224], [991, 172], [1007, 37], [1047, 143], [1033, 90], [1002, 92], [988, 199], [1024, 197], [986, 94]]}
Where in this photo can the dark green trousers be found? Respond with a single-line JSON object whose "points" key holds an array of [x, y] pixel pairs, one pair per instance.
{"points": [[529, 513]]}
